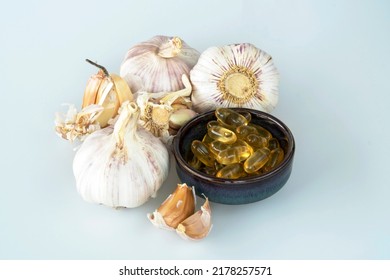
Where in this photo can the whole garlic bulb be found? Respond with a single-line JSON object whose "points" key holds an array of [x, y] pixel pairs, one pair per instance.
{"points": [[239, 75], [121, 165], [159, 64]]}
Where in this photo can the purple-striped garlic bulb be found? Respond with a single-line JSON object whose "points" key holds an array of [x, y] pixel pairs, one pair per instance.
{"points": [[158, 64], [238, 75]]}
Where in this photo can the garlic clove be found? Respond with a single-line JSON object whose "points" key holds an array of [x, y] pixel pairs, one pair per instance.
{"points": [[92, 89], [198, 225], [121, 88], [181, 117], [177, 207]]}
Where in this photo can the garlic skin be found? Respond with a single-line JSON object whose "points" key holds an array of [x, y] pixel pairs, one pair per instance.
{"points": [[176, 208], [121, 165], [238, 75], [198, 225], [158, 64], [103, 95], [162, 113]]}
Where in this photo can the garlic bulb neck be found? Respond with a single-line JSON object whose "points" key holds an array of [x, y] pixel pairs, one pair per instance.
{"points": [[127, 121], [238, 84], [171, 48]]}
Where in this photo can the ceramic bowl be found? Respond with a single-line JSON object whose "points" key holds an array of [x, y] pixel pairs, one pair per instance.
{"points": [[233, 191]]}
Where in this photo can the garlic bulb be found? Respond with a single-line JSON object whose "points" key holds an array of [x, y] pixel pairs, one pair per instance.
{"points": [[102, 98], [158, 64], [176, 208], [239, 75], [121, 165]]}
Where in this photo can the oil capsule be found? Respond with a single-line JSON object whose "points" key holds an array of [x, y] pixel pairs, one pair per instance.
{"points": [[256, 141], [243, 130], [209, 170], [232, 171], [217, 146], [275, 158], [230, 117], [233, 155], [222, 134], [257, 160], [262, 131], [201, 151], [212, 123], [195, 163], [247, 115], [207, 139], [273, 143], [240, 142]]}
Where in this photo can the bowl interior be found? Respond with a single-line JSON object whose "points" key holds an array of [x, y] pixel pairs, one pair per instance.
{"points": [[197, 128]]}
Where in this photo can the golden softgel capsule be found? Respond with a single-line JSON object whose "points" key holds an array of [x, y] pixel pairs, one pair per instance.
{"points": [[257, 160], [201, 151], [275, 158], [222, 134], [233, 155], [230, 117], [232, 171]]}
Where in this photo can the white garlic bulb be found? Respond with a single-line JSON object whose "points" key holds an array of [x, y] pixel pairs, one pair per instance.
{"points": [[158, 64], [239, 75], [121, 165]]}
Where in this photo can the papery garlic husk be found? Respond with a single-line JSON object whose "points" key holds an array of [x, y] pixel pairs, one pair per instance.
{"points": [[107, 90], [176, 208], [121, 165], [163, 112], [198, 225], [77, 125], [239, 75], [158, 64], [102, 98]]}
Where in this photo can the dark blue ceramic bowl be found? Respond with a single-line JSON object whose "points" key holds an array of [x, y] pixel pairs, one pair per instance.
{"points": [[233, 191]]}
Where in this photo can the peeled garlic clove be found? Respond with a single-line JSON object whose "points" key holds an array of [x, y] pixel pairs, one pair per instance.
{"points": [[160, 63], [177, 207], [239, 75], [181, 117], [198, 225]]}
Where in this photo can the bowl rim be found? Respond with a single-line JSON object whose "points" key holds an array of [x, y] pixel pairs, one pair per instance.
{"points": [[246, 180]]}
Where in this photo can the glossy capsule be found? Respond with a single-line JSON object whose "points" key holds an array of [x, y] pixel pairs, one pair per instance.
{"points": [[256, 141], [262, 131], [243, 130], [201, 151], [212, 123], [233, 155], [222, 134], [232, 171], [230, 117], [257, 160], [273, 143], [207, 139], [275, 158], [195, 163], [216, 147]]}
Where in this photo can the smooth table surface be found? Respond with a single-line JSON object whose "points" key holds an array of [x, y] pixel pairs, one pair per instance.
{"points": [[334, 63]]}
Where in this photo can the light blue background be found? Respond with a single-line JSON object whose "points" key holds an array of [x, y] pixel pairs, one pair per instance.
{"points": [[334, 61]]}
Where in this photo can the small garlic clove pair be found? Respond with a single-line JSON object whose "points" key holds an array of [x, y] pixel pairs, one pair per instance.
{"points": [[177, 212]]}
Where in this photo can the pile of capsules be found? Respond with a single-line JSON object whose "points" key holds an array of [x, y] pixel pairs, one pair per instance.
{"points": [[233, 147]]}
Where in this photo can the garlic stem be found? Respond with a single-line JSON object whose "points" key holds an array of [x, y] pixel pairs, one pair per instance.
{"points": [[171, 48], [129, 113], [98, 66]]}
